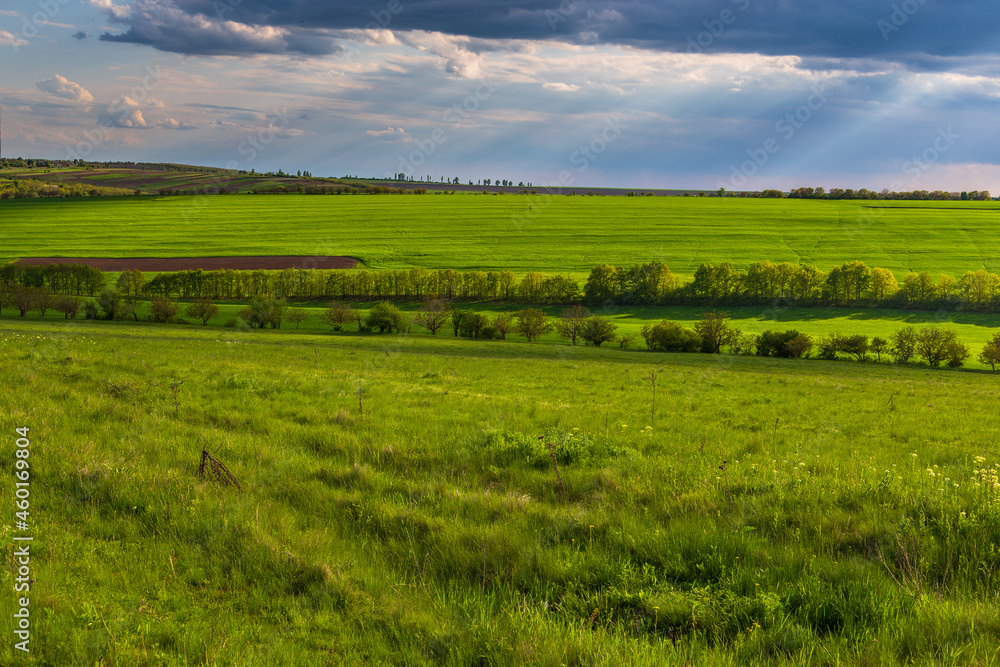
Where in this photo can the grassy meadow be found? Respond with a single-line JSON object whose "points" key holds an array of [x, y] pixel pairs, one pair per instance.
{"points": [[429, 500], [400, 505], [973, 329], [519, 233]]}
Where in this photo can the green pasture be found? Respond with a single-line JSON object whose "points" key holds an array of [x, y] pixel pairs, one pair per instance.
{"points": [[973, 329], [564, 234], [400, 506]]}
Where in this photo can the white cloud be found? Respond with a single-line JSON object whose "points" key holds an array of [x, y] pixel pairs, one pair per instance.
{"points": [[8, 39], [388, 132], [62, 87], [561, 87]]}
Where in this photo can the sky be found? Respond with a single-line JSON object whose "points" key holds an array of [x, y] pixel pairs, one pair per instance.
{"points": [[740, 94]]}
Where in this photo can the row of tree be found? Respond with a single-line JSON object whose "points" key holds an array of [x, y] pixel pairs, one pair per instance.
{"points": [[711, 334], [864, 193], [29, 188], [652, 283], [766, 283]]}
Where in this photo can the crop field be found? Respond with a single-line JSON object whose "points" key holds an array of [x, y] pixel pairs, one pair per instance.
{"points": [[398, 503], [518, 233]]}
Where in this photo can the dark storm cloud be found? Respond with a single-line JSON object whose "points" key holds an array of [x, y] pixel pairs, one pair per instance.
{"points": [[889, 29], [168, 27]]}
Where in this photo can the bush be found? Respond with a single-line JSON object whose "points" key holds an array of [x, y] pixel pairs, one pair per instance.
{"points": [[597, 330], [957, 354], [110, 302], [387, 317], [264, 312], [231, 323], [774, 343], [799, 347], [671, 337], [473, 325], [91, 310], [162, 309]]}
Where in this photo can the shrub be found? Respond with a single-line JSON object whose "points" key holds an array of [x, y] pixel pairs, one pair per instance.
{"points": [[957, 354], [773, 343], [110, 302], [670, 337], [799, 346], [598, 330], [387, 317], [473, 325], [162, 309]]}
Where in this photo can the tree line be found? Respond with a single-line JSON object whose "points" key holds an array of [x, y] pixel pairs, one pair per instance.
{"points": [[711, 334], [852, 284]]}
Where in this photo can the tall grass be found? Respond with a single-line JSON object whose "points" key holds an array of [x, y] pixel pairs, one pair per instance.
{"points": [[780, 512]]}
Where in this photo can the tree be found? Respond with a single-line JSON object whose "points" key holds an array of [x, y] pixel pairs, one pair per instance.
{"points": [[883, 284], [387, 317], [202, 309], [903, 344], [457, 315], [601, 286], [69, 306], [433, 315], [597, 330], [878, 346], [935, 345], [262, 313], [856, 345], [714, 331], [110, 302], [570, 323], [297, 315], [43, 299], [957, 353], [991, 352], [163, 309], [532, 323], [130, 282], [338, 314], [128, 307], [503, 324], [22, 298], [473, 325]]}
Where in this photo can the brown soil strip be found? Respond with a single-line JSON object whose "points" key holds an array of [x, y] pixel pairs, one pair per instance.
{"points": [[152, 264]]}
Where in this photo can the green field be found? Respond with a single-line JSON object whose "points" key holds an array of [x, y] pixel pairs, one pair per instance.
{"points": [[973, 329], [850, 521], [518, 233], [400, 505]]}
